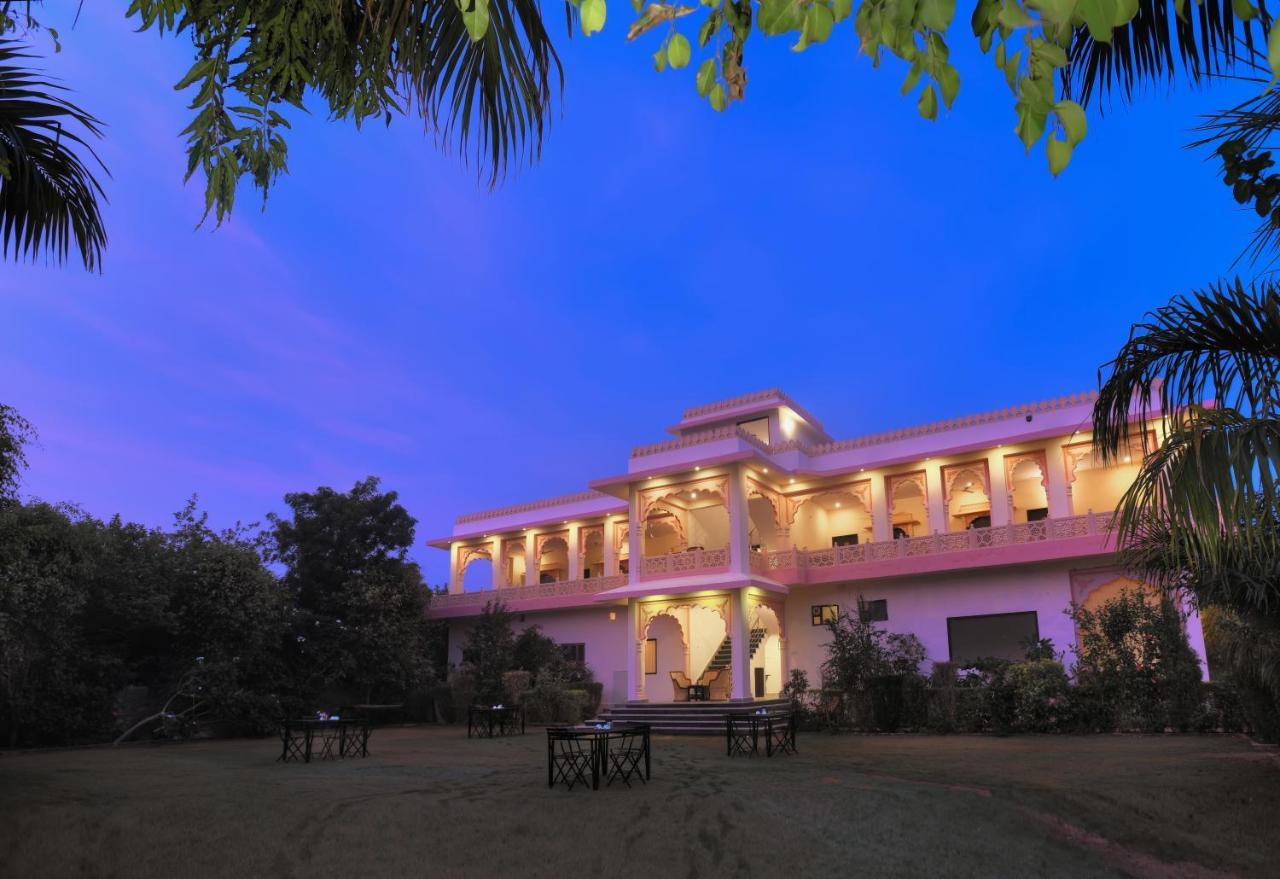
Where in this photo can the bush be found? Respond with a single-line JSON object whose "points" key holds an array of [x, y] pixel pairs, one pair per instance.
{"points": [[1041, 696], [857, 653], [1135, 668], [550, 701], [1219, 709]]}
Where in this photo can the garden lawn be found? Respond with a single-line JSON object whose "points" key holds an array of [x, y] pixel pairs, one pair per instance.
{"points": [[430, 802]]}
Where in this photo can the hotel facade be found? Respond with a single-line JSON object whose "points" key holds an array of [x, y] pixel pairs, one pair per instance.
{"points": [[708, 567]]}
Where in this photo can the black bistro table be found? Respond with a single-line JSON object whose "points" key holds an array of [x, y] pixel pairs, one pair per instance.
{"points": [[329, 739], [487, 721], [585, 753], [743, 731], [699, 692]]}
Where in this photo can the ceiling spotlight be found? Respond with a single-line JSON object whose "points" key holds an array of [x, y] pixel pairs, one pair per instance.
{"points": [[793, 480], [1127, 459], [766, 469], [837, 503], [694, 495], [697, 466]]}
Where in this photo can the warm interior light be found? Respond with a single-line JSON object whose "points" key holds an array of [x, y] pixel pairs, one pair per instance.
{"points": [[697, 466], [1127, 459], [695, 495], [613, 615], [766, 469], [793, 480], [837, 503]]}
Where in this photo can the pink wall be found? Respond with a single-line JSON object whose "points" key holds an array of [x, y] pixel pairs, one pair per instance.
{"points": [[922, 605], [606, 641]]}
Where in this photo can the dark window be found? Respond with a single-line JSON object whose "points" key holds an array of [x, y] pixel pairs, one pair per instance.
{"points": [[996, 636], [574, 652], [624, 566], [825, 613], [546, 577], [1037, 514], [898, 534], [876, 611], [845, 540], [586, 573], [980, 522]]}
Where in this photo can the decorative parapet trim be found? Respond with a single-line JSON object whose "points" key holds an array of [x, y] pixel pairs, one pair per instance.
{"points": [[560, 589], [746, 400], [531, 505], [716, 434], [1004, 414]]}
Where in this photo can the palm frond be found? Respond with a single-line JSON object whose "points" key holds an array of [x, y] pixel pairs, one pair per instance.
{"points": [[492, 97], [1221, 345], [49, 196], [1203, 505], [1205, 39]]}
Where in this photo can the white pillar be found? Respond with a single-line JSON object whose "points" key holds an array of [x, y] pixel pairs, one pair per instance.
{"points": [[530, 559], [455, 576], [609, 557], [739, 628], [575, 558], [499, 563], [635, 537], [636, 663], [739, 522], [1059, 491], [881, 524], [933, 497], [997, 491]]}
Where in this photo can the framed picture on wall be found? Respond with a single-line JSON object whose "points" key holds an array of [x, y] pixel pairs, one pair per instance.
{"points": [[651, 656]]}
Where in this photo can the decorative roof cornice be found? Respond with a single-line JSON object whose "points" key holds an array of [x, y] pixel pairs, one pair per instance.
{"points": [[728, 431], [748, 399], [1004, 414], [534, 505]]}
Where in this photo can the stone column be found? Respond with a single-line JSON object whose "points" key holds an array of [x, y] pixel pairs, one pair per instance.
{"points": [[1059, 490], [739, 522], [455, 576], [1000, 494], [609, 557], [575, 557], [499, 563], [937, 509], [635, 538], [530, 559], [636, 665], [739, 628], [881, 524]]}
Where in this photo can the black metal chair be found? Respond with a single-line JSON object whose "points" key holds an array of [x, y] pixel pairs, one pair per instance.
{"points": [[741, 734], [570, 758], [625, 750], [293, 743], [782, 734]]}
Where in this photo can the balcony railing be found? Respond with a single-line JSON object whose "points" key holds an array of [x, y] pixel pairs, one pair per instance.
{"points": [[1092, 524], [559, 589], [677, 563]]}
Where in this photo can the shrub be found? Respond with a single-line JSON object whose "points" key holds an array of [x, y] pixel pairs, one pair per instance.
{"points": [[1041, 695], [857, 653], [550, 701], [489, 651], [462, 694], [1135, 669], [1220, 709]]}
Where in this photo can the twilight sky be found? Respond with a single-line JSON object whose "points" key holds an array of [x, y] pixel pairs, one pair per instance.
{"points": [[387, 316]]}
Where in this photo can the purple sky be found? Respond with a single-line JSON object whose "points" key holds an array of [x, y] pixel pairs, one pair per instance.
{"points": [[388, 316]]}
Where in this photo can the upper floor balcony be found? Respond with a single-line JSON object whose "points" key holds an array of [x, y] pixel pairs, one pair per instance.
{"points": [[523, 599], [1021, 543]]}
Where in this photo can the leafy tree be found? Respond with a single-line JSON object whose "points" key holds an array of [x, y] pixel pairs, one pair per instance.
{"points": [[490, 651], [15, 434], [359, 617]]}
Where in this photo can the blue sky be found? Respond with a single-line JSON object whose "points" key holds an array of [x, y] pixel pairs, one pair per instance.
{"points": [[386, 315]]}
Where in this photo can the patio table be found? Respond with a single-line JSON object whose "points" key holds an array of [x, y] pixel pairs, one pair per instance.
{"points": [[336, 737], [744, 729], [487, 721], [566, 757]]}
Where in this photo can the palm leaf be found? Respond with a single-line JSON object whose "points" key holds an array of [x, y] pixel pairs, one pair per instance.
{"points": [[48, 194], [1207, 38], [1208, 368]]}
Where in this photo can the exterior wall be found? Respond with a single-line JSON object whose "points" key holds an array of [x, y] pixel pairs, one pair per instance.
{"points": [[921, 606], [606, 641]]}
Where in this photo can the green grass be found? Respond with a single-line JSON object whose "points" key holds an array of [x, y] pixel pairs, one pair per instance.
{"points": [[430, 802]]}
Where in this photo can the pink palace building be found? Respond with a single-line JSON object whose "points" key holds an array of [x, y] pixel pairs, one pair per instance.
{"points": [[707, 568]]}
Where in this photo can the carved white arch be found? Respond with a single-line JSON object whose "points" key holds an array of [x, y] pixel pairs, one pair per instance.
{"points": [[718, 485], [468, 554], [916, 478], [858, 491]]}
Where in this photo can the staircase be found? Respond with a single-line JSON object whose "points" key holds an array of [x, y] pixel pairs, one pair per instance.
{"points": [[723, 657], [686, 718]]}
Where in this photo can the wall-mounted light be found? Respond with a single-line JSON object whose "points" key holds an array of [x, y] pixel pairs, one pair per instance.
{"points": [[613, 615], [765, 469], [837, 503], [792, 480]]}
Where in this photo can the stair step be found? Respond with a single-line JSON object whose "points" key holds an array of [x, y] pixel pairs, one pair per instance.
{"points": [[685, 718]]}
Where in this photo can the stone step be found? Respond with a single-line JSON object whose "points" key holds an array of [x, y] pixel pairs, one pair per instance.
{"points": [[685, 718]]}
